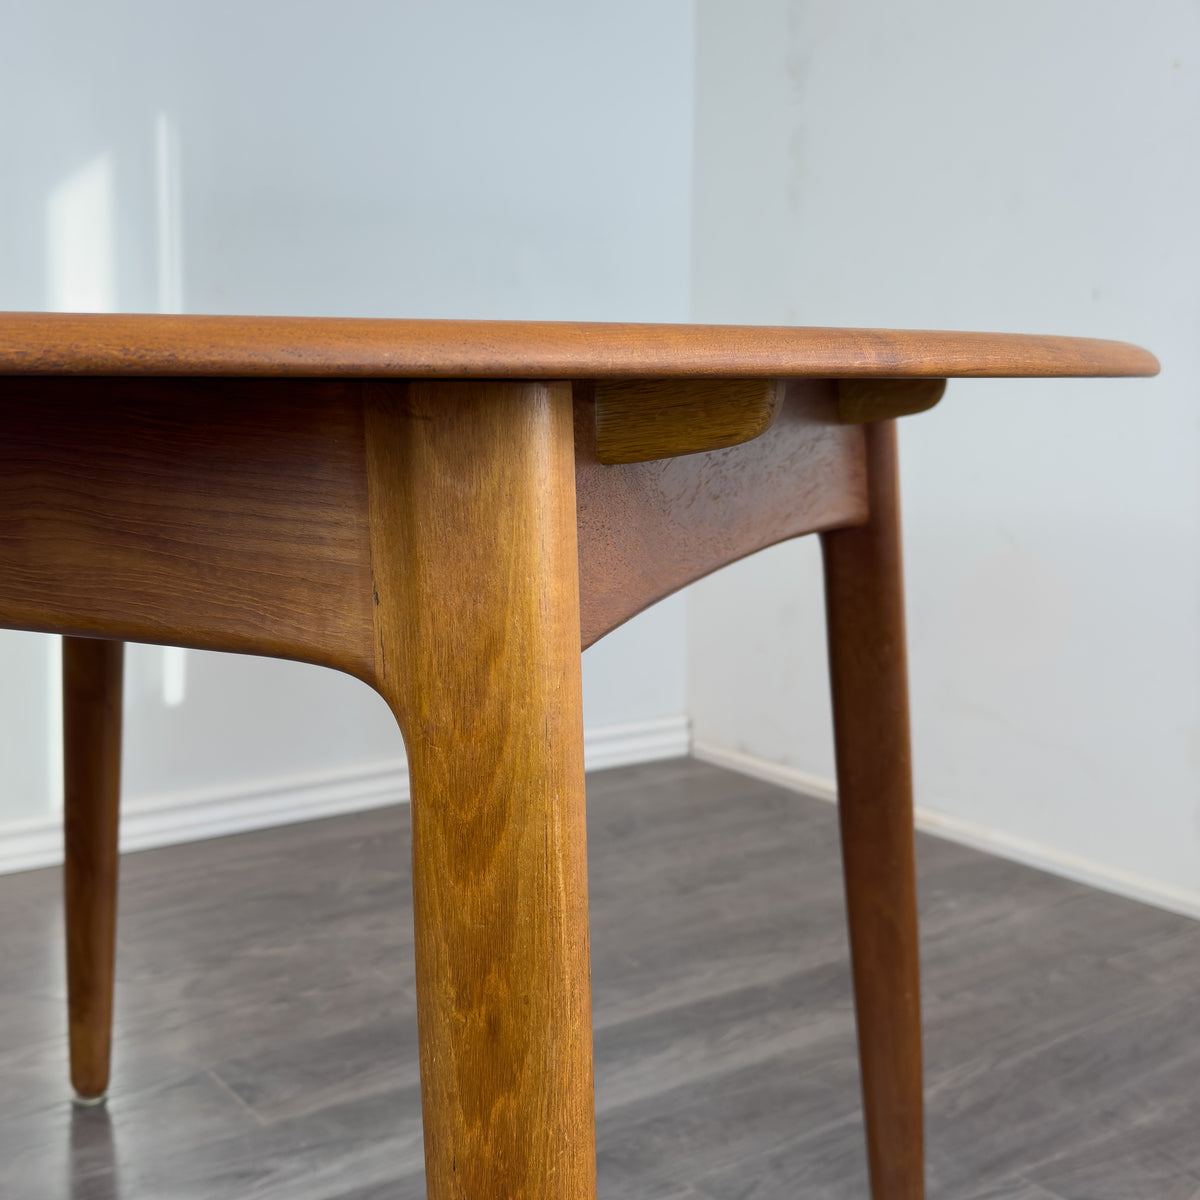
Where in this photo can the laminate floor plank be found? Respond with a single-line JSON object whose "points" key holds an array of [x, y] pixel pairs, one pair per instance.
{"points": [[1013, 1189], [1132, 1151], [266, 1039]]}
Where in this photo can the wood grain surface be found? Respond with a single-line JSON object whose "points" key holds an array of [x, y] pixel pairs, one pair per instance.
{"points": [[641, 420], [225, 515], [647, 529], [92, 672], [863, 400], [473, 548], [232, 514], [864, 612], [102, 344]]}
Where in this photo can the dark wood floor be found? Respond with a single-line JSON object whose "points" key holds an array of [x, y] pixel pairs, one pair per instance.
{"points": [[266, 1042]]}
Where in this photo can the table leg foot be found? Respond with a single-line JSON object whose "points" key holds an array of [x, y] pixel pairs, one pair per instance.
{"points": [[868, 669]]}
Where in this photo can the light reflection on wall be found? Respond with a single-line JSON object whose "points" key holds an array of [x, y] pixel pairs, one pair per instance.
{"points": [[54, 722], [169, 220], [174, 676], [80, 241], [80, 277], [169, 211]]}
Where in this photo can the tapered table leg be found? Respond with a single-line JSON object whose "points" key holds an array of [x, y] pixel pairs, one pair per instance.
{"points": [[473, 543], [92, 679], [865, 616]]}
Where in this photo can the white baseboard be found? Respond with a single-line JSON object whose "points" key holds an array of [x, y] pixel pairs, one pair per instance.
{"points": [[637, 742], [818, 786], [215, 812], [1185, 901]]}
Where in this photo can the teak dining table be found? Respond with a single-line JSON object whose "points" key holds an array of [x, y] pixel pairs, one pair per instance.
{"points": [[451, 511]]}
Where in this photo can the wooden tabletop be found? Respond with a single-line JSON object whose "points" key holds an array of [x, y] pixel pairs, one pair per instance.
{"points": [[306, 347]]}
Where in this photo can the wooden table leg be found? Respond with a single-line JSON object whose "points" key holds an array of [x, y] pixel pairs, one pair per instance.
{"points": [[865, 615], [92, 678], [473, 543]]}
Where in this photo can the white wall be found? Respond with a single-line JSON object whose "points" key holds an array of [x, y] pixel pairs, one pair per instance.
{"points": [[529, 159], [1028, 166]]}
